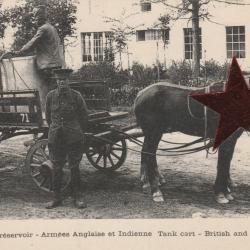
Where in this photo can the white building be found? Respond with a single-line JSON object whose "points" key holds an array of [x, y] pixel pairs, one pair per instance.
{"points": [[227, 34]]}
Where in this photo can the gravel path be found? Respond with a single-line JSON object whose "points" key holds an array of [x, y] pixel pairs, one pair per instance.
{"points": [[188, 191]]}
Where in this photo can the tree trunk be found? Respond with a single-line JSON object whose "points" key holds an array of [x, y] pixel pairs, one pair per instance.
{"points": [[195, 36], [157, 61], [165, 61], [128, 65], [63, 54], [120, 55]]}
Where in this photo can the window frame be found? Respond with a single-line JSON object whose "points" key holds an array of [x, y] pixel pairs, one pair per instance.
{"points": [[98, 46], [146, 6], [86, 46], [236, 41], [94, 44], [140, 38], [152, 35]]}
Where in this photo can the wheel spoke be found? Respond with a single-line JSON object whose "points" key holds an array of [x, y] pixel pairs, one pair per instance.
{"points": [[35, 165], [43, 181], [99, 158], [38, 154], [105, 161], [43, 154], [117, 148], [36, 174], [115, 155], [111, 161], [38, 158]]}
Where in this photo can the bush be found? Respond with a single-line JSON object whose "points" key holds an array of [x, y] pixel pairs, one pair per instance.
{"points": [[124, 96], [143, 76], [179, 72], [97, 71], [105, 71], [213, 71]]}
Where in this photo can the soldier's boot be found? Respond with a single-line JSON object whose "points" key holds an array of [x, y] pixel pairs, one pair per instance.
{"points": [[79, 202], [56, 202], [57, 199]]}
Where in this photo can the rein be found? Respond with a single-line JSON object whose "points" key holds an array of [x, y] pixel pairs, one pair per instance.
{"points": [[207, 146], [173, 153], [207, 90], [181, 149]]}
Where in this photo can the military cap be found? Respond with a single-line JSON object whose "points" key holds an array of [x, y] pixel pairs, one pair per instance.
{"points": [[62, 73]]}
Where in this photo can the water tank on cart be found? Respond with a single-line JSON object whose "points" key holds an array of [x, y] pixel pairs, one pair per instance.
{"points": [[21, 73]]}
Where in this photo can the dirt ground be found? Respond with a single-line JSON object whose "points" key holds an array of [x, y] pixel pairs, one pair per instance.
{"points": [[188, 191]]}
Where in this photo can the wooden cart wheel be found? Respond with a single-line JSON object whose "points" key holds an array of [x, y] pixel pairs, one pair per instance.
{"points": [[108, 156], [41, 169]]}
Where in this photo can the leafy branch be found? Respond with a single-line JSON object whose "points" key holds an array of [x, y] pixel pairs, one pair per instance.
{"points": [[61, 14]]}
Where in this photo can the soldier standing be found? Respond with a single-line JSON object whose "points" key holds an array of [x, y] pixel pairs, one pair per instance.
{"points": [[66, 115]]}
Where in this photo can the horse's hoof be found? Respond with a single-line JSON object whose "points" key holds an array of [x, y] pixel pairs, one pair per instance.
{"points": [[158, 197], [221, 199], [229, 197]]}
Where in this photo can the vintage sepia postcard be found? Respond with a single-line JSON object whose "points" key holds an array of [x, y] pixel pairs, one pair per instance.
{"points": [[124, 124]]}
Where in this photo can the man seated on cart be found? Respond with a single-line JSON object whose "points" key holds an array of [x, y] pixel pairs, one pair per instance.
{"points": [[47, 45], [66, 115]]}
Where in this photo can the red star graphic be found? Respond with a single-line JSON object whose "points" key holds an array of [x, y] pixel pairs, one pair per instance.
{"points": [[233, 105]]}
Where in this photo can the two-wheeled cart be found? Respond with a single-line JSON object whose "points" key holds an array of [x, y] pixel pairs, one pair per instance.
{"points": [[21, 114]]}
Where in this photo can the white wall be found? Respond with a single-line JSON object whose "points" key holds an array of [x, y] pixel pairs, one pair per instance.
{"points": [[94, 22], [213, 35]]}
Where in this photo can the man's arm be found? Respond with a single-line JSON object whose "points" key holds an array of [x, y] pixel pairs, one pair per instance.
{"points": [[82, 112], [32, 43], [48, 109]]}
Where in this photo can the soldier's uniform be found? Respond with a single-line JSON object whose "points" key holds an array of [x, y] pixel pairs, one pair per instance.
{"points": [[66, 115]]}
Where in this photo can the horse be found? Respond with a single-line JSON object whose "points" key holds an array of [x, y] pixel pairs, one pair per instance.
{"points": [[163, 108]]}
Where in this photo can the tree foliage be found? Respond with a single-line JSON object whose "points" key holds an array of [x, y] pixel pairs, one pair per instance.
{"points": [[3, 22], [163, 25], [194, 10], [122, 31], [61, 14]]}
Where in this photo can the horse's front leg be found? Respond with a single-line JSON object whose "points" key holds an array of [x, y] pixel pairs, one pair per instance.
{"points": [[223, 180], [149, 163]]}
